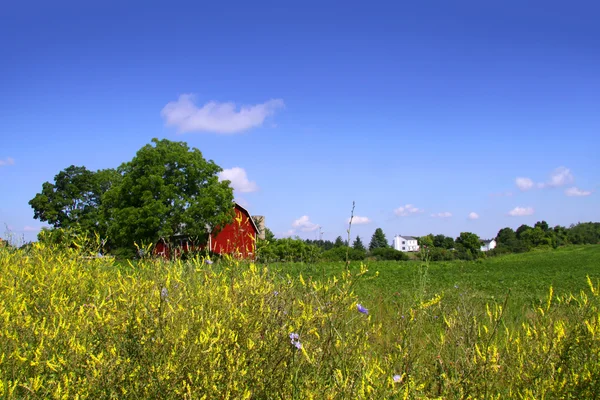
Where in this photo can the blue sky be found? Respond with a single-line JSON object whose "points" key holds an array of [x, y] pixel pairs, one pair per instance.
{"points": [[432, 117]]}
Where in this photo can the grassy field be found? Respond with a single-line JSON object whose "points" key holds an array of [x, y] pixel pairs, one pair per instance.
{"points": [[525, 278], [74, 326]]}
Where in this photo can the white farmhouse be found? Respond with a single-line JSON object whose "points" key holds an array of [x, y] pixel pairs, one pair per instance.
{"points": [[405, 243], [487, 245]]}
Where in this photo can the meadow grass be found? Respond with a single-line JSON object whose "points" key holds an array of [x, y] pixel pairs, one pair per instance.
{"points": [[73, 326], [525, 278]]}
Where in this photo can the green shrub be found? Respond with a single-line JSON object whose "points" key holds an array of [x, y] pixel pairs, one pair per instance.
{"points": [[389, 254], [339, 254]]}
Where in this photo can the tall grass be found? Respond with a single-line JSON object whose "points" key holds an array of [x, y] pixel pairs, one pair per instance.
{"points": [[73, 326]]}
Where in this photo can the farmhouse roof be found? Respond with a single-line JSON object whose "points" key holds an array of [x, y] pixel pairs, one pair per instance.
{"points": [[408, 237]]}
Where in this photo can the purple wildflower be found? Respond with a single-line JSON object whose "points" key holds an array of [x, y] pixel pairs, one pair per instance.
{"points": [[362, 309], [397, 378], [295, 340], [164, 293]]}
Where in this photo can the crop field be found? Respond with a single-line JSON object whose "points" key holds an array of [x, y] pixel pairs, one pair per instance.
{"points": [[519, 326], [524, 278]]}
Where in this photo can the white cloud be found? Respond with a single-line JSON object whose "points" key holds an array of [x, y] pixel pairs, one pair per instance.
{"points": [[473, 215], [524, 183], [239, 179], [560, 177], [407, 210], [7, 161], [304, 224], [216, 117], [28, 228], [356, 220], [445, 214], [521, 211], [574, 191]]}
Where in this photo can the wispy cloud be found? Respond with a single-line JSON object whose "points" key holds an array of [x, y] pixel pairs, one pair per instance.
{"points": [[28, 228], [216, 117], [574, 191], [407, 210], [239, 179], [7, 161], [304, 224], [524, 183], [561, 176], [445, 214], [356, 220], [521, 211], [473, 215]]}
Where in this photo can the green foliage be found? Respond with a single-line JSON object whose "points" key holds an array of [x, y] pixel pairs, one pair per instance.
{"points": [[521, 229], [166, 189], [290, 250], [426, 241], [75, 199], [443, 242], [585, 233], [358, 244], [322, 244], [505, 236], [269, 235], [339, 242], [378, 240], [468, 246], [388, 253], [440, 254], [339, 254]]}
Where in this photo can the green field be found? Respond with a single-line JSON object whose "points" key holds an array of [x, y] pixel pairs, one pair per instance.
{"points": [[75, 326], [524, 278]]}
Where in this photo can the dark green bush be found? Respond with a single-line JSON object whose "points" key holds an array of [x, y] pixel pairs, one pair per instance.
{"points": [[389, 254], [339, 254]]}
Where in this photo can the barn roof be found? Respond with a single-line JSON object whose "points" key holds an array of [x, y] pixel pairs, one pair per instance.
{"points": [[249, 216]]}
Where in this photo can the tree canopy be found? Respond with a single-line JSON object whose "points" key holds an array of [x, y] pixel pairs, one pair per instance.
{"points": [[378, 240], [358, 244], [166, 189], [75, 199]]}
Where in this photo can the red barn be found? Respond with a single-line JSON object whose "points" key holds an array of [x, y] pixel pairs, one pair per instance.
{"points": [[237, 238]]}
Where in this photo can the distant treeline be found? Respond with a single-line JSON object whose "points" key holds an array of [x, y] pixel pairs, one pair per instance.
{"points": [[467, 246]]}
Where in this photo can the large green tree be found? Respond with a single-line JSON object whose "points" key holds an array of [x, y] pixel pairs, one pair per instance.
{"points": [[358, 244], [74, 199], [469, 242], [339, 242], [167, 189], [506, 236], [378, 240]]}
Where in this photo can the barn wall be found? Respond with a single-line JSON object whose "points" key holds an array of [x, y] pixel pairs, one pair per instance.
{"points": [[239, 237]]}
